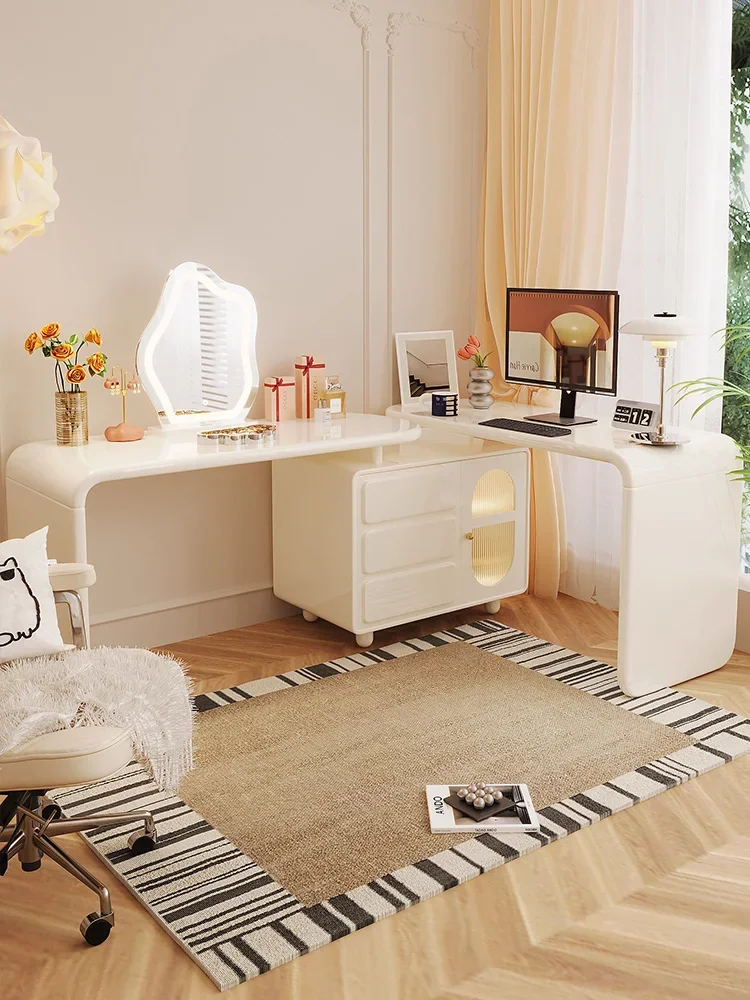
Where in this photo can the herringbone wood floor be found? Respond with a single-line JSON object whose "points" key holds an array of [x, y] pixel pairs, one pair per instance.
{"points": [[652, 903]]}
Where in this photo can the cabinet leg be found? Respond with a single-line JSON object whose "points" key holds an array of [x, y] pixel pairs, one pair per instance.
{"points": [[309, 616], [492, 607], [366, 639]]}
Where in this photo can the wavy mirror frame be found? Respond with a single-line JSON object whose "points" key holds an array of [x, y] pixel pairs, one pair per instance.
{"points": [[179, 278]]}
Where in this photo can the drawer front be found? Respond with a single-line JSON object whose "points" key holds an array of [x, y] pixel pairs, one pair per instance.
{"points": [[400, 594], [387, 496], [409, 543]]}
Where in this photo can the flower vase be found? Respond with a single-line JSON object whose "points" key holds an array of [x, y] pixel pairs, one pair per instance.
{"points": [[72, 418], [480, 388]]}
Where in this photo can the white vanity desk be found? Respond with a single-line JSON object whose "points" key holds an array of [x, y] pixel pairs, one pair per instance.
{"points": [[680, 540], [49, 485]]}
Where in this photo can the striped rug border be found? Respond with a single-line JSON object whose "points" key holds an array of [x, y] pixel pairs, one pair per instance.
{"points": [[236, 922]]}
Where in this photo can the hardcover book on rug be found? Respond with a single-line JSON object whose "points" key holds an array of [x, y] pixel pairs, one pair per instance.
{"points": [[466, 808]]}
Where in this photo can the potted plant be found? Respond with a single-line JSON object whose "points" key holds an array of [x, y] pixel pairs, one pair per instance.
{"points": [[71, 401], [480, 376]]}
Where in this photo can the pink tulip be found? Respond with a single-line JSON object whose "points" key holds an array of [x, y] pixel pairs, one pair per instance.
{"points": [[471, 349], [474, 341], [463, 354]]}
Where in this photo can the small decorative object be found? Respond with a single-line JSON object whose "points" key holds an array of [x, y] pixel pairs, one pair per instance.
{"points": [[247, 435], [445, 404], [71, 403], [662, 331], [480, 806], [334, 396], [480, 376], [309, 373], [120, 383], [322, 414], [279, 397], [630, 414]]}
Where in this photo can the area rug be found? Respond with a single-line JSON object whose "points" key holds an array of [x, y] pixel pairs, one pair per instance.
{"points": [[305, 819]]}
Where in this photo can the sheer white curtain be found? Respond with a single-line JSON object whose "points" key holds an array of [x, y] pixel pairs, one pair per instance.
{"points": [[667, 240]]}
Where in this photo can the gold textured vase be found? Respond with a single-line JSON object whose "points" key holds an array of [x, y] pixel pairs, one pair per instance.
{"points": [[72, 418]]}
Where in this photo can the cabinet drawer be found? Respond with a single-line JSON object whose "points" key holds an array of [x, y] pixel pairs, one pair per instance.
{"points": [[388, 496], [401, 594], [409, 543]]}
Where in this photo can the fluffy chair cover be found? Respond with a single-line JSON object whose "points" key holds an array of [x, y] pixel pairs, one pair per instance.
{"points": [[146, 693]]}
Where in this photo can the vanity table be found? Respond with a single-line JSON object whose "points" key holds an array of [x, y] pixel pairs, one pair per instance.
{"points": [[47, 484], [680, 539]]}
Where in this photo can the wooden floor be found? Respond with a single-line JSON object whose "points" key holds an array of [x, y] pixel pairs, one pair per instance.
{"points": [[651, 903]]}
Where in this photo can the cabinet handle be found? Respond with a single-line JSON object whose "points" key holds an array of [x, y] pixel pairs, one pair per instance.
{"points": [[470, 535]]}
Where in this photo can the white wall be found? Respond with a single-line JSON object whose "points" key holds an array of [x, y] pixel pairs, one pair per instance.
{"points": [[324, 154]]}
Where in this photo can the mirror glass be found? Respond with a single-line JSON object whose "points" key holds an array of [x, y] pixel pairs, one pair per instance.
{"points": [[426, 363], [427, 366], [196, 357]]}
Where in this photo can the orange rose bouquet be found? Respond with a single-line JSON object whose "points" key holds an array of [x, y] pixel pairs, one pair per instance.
{"points": [[69, 373]]}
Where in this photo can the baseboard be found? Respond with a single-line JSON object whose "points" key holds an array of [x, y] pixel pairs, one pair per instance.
{"points": [[173, 624], [742, 642]]}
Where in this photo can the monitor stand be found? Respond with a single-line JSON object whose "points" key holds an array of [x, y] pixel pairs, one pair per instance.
{"points": [[567, 415]]}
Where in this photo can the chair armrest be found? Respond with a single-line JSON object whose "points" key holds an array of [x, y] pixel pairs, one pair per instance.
{"points": [[71, 576]]}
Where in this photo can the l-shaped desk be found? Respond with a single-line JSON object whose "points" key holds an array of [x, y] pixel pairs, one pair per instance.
{"points": [[680, 533], [680, 540]]}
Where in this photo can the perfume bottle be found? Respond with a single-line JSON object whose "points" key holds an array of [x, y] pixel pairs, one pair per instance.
{"points": [[333, 397]]}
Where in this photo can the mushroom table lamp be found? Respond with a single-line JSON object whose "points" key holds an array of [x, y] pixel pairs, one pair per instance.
{"points": [[662, 331]]}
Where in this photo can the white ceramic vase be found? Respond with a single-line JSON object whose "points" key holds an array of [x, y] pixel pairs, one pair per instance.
{"points": [[480, 388]]}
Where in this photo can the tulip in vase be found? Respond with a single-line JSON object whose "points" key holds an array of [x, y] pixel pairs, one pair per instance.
{"points": [[480, 376]]}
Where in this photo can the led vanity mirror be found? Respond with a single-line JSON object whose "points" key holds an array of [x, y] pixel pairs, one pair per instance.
{"points": [[196, 357]]}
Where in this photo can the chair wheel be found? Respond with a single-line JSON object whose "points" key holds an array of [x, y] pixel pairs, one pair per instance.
{"points": [[95, 928], [141, 843]]}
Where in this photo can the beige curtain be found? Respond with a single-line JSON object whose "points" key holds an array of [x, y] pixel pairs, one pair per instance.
{"points": [[553, 123]]}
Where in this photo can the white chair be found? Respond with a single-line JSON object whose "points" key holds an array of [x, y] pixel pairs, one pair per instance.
{"points": [[69, 757]]}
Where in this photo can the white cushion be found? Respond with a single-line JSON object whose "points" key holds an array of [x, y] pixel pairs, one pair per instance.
{"points": [[65, 757], [28, 619], [71, 576]]}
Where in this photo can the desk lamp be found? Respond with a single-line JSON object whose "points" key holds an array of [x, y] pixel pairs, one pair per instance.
{"points": [[662, 331]]}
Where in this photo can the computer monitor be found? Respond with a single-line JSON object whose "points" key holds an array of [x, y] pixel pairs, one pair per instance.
{"points": [[562, 339]]}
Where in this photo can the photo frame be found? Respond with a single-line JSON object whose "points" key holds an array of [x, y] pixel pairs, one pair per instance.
{"points": [[426, 362]]}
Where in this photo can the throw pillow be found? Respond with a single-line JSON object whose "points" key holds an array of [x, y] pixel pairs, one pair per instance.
{"points": [[28, 619]]}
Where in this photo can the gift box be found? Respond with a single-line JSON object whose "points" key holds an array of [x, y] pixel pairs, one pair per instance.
{"points": [[310, 376], [279, 395]]}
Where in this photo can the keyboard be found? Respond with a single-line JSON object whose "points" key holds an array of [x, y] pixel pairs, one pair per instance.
{"points": [[526, 427]]}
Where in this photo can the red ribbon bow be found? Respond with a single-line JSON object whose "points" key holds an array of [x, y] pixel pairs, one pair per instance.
{"points": [[278, 383], [309, 363]]}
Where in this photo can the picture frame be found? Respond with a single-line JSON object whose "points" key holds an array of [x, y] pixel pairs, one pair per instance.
{"points": [[429, 358]]}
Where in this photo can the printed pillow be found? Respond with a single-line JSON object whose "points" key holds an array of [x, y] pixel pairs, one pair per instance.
{"points": [[28, 619]]}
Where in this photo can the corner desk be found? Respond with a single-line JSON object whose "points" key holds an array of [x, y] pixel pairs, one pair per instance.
{"points": [[680, 539]]}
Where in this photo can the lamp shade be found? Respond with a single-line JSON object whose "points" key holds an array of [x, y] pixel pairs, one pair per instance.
{"points": [[27, 195], [662, 328]]}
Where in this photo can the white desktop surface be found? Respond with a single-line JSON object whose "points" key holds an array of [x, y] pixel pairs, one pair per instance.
{"points": [[680, 539], [639, 464], [66, 474]]}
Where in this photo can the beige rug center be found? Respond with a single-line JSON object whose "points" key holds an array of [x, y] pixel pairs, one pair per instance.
{"points": [[323, 784]]}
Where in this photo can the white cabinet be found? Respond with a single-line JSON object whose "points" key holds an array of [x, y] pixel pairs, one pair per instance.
{"points": [[433, 526]]}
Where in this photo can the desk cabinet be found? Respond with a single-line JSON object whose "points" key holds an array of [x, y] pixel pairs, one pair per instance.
{"points": [[367, 541]]}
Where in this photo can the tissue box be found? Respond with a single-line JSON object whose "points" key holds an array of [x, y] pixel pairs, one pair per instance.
{"points": [[280, 398], [310, 375]]}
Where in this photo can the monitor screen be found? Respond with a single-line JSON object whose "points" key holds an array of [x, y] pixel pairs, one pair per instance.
{"points": [[565, 339]]}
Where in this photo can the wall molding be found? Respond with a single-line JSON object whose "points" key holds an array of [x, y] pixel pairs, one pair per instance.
{"points": [[361, 18], [396, 22]]}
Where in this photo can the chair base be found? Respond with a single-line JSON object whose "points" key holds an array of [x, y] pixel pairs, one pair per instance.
{"points": [[30, 837]]}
